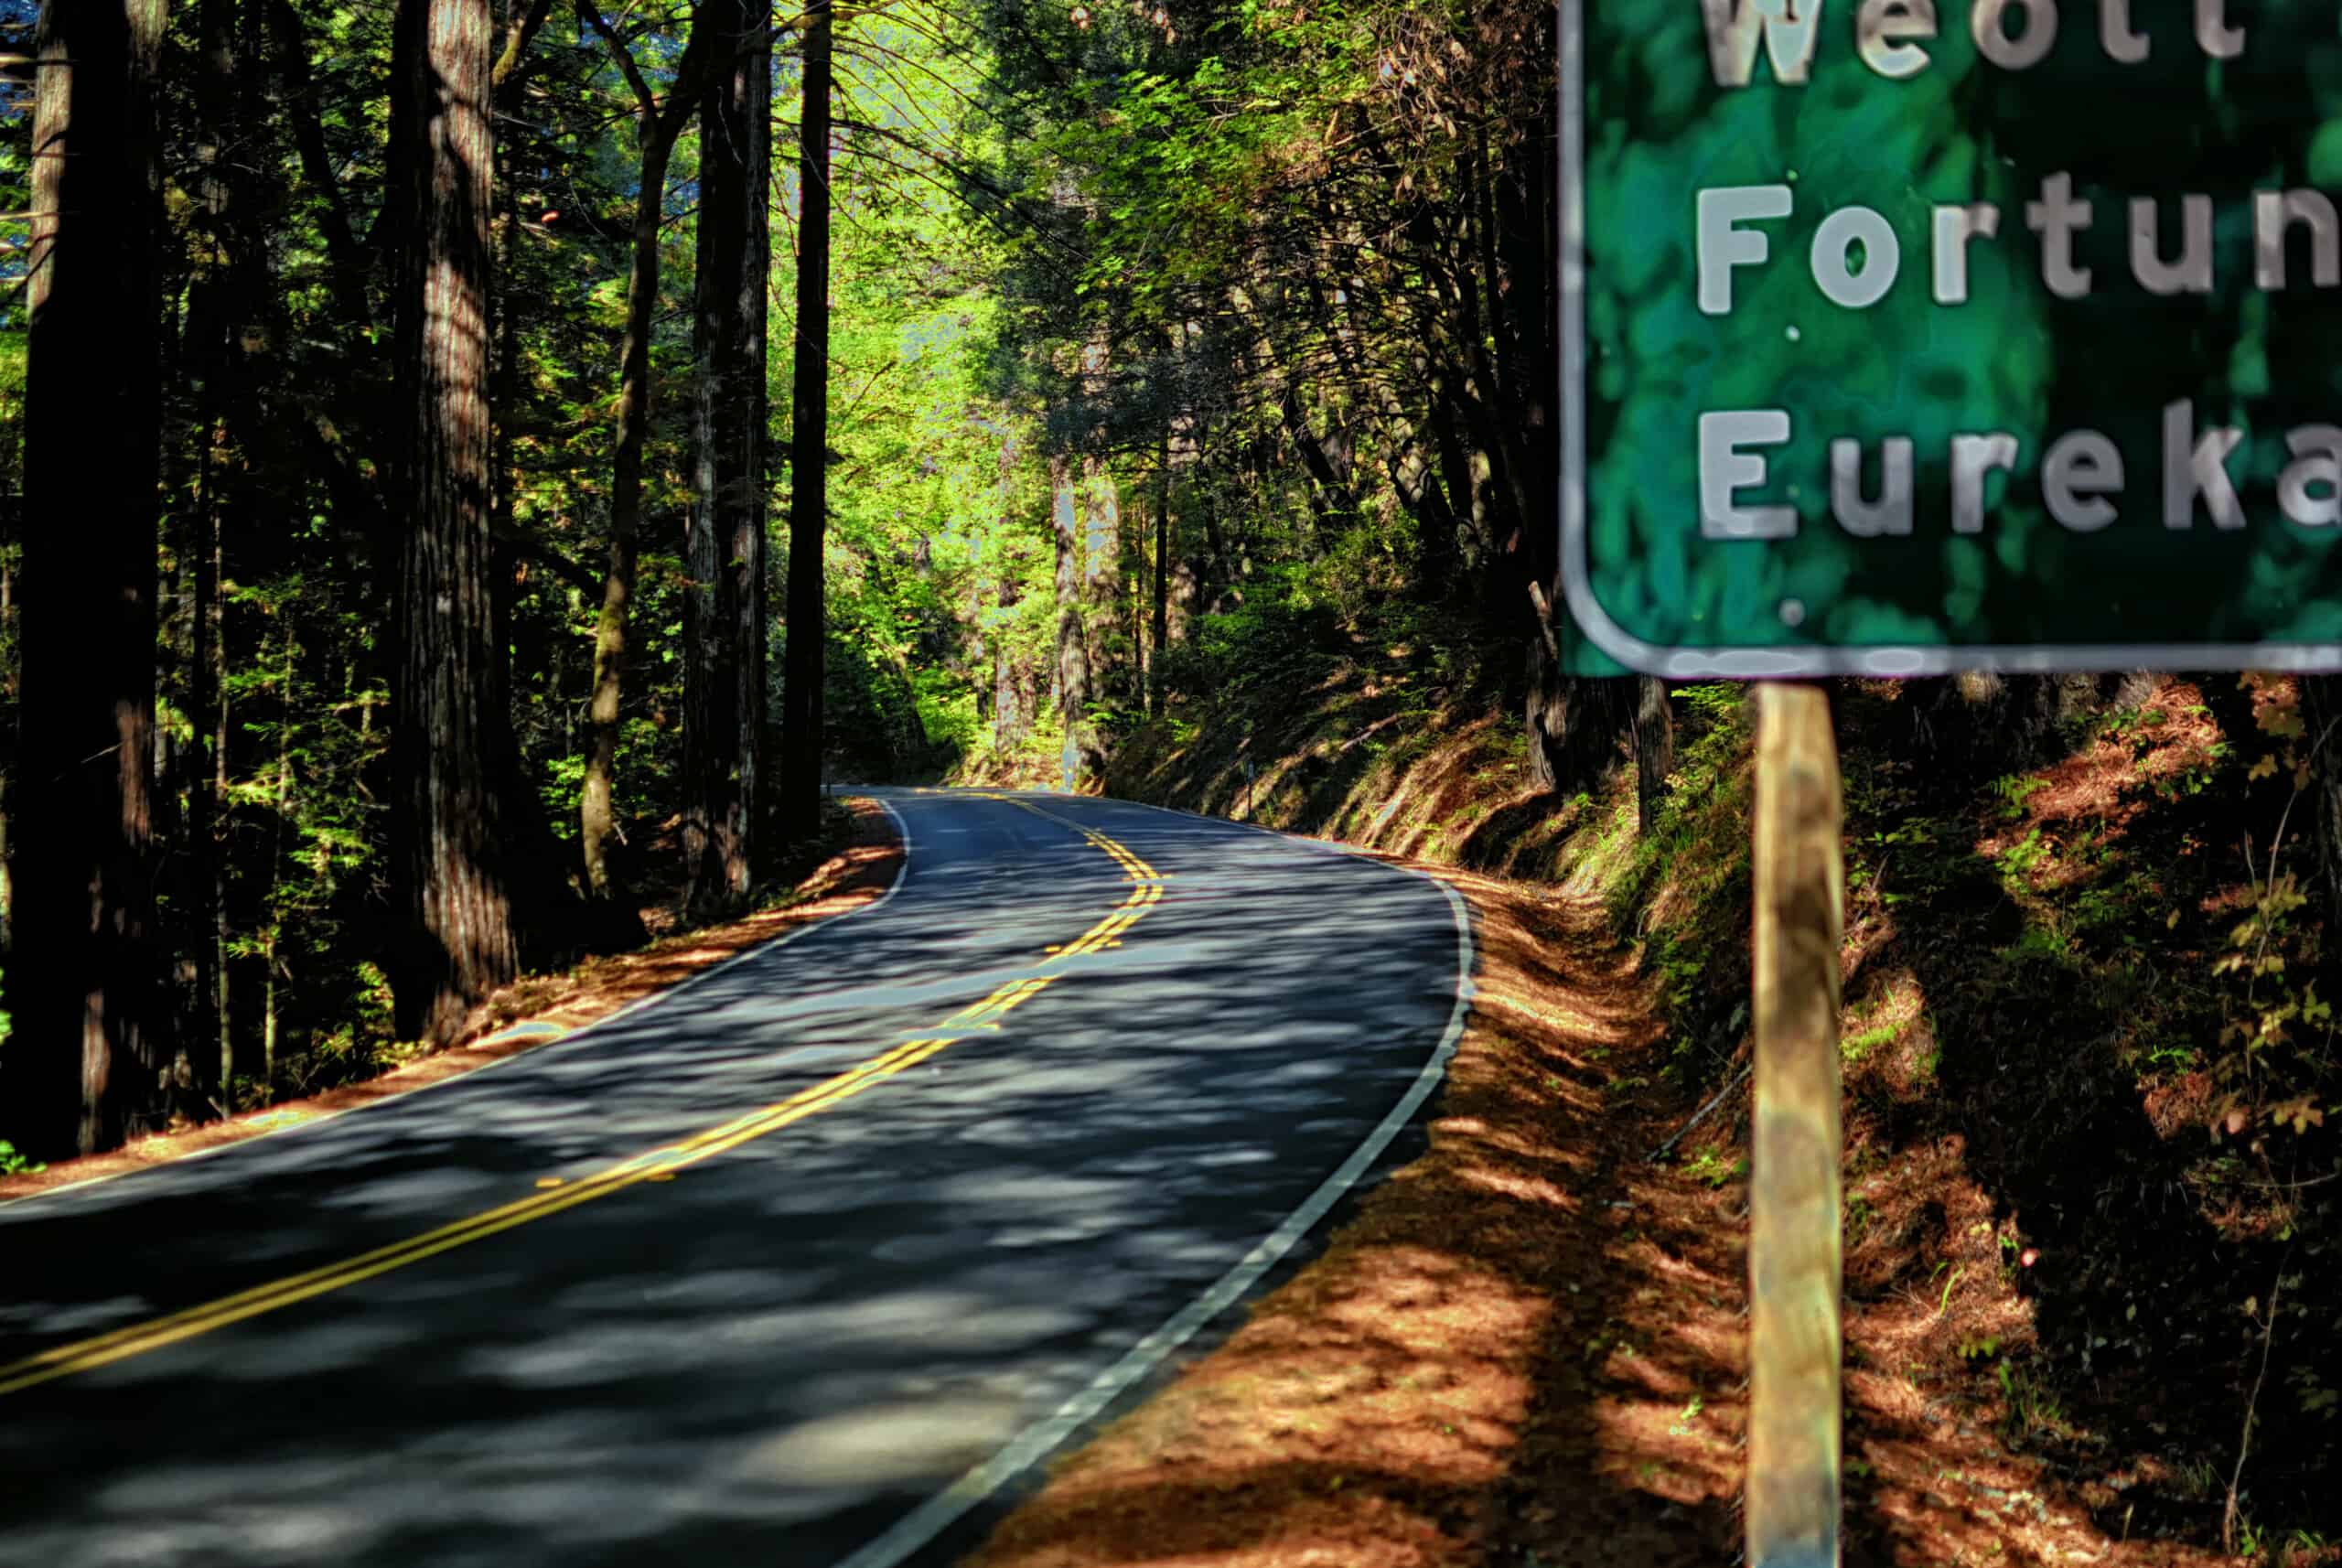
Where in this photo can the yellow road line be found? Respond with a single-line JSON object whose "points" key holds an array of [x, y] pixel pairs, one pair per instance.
{"points": [[154, 1333], [654, 1164]]}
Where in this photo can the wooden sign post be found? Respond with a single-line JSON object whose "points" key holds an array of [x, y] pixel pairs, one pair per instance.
{"points": [[1907, 339], [1794, 1260]]}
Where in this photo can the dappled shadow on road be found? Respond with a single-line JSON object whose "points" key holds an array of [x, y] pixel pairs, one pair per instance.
{"points": [[1451, 1382], [775, 1352]]}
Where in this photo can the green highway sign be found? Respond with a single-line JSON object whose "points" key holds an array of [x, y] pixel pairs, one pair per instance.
{"points": [[1902, 337]]}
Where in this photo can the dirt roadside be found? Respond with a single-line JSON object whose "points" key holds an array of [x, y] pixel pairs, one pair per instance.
{"points": [[1528, 1347], [533, 1012]]}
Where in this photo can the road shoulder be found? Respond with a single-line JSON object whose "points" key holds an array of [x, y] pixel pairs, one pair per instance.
{"points": [[1434, 1385]]}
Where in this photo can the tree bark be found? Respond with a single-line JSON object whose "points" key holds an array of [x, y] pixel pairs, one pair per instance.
{"points": [[1073, 650], [1162, 629], [1012, 709], [724, 673], [457, 941], [223, 305], [1977, 720], [1101, 528], [91, 1026], [801, 740], [1010, 721], [657, 127], [1547, 717], [1654, 732]]}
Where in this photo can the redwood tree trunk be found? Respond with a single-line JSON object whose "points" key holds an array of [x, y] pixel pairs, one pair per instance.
{"points": [[1073, 650], [1110, 666], [1162, 630], [1011, 722], [224, 302], [91, 1041], [457, 941], [724, 673], [800, 739], [1654, 731], [1545, 714], [1012, 708], [657, 128]]}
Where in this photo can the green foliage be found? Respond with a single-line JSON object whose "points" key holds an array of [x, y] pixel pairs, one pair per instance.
{"points": [[1696, 854], [2275, 1063], [2030, 1406], [2015, 790], [1710, 1166], [2019, 859], [1860, 1042]]}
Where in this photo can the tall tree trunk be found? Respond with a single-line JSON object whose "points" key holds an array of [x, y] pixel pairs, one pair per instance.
{"points": [[1546, 715], [211, 715], [505, 563], [1101, 532], [1072, 683], [1162, 630], [1012, 712], [1654, 729], [91, 1034], [457, 939], [1010, 721], [204, 688], [747, 548], [10, 532], [724, 664], [1976, 720], [222, 307], [800, 739], [657, 127]]}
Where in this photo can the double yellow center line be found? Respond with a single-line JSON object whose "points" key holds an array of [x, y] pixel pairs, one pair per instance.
{"points": [[655, 1164]]}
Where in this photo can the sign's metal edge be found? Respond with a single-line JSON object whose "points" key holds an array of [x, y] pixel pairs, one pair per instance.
{"points": [[1759, 663]]}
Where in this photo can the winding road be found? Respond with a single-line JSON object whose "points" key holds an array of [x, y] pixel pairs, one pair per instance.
{"points": [[808, 1261]]}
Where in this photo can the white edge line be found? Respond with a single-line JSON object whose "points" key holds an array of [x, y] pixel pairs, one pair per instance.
{"points": [[917, 1529], [901, 870]]}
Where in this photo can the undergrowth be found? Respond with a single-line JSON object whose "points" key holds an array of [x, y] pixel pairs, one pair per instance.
{"points": [[2087, 995], [2087, 1052]]}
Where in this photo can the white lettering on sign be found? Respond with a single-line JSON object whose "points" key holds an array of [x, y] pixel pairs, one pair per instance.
{"points": [[1855, 257], [2015, 35], [1725, 468], [2317, 450], [2198, 466], [1955, 226], [1853, 262], [2273, 213], [1882, 31], [1833, 243], [1723, 244], [1735, 25], [2082, 473], [2075, 477]]}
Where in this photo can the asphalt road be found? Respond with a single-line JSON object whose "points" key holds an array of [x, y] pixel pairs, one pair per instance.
{"points": [[804, 1263]]}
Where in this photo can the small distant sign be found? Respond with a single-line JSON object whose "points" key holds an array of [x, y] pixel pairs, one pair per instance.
{"points": [[1902, 338]]}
